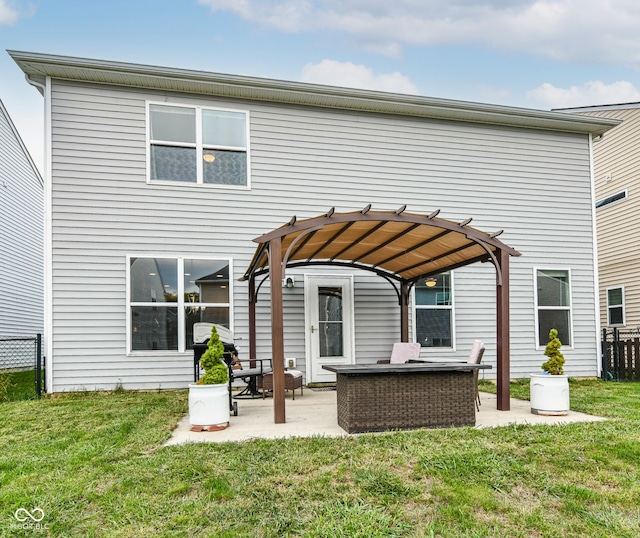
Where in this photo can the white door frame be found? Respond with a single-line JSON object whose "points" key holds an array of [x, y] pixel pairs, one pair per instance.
{"points": [[314, 370]]}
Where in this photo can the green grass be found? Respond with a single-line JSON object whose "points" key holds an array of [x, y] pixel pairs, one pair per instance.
{"points": [[16, 386], [94, 462]]}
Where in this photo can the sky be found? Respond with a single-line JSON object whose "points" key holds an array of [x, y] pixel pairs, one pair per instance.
{"points": [[540, 54]]}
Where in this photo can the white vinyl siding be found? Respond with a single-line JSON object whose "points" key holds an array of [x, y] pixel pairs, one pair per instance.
{"points": [[21, 237], [303, 162]]}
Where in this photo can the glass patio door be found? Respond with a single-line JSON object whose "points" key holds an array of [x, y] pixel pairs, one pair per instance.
{"points": [[329, 323]]}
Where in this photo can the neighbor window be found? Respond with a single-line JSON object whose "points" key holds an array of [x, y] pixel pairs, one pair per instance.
{"points": [[434, 311], [198, 145], [615, 307], [553, 305], [622, 195], [168, 295]]}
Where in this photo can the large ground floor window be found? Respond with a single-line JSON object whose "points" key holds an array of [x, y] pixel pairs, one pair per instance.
{"points": [[168, 295], [553, 305], [434, 311]]}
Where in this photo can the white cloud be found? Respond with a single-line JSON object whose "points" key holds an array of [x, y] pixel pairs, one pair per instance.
{"points": [[594, 30], [590, 94], [350, 75], [7, 14]]}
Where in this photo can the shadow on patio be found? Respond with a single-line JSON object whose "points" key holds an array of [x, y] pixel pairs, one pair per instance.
{"points": [[315, 414]]}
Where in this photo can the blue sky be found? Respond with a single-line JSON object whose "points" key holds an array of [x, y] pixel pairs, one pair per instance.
{"points": [[537, 54]]}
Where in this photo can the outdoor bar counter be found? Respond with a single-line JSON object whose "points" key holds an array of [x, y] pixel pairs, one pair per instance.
{"points": [[379, 397]]}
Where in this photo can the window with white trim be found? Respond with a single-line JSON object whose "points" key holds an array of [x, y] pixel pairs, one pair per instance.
{"points": [[168, 295], [434, 311], [615, 307], [553, 305], [203, 146]]}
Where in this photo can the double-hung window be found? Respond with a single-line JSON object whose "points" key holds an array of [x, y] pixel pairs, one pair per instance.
{"points": [[615, 307], [434, 311], [197, 145], [553, 305], [168, 295]]}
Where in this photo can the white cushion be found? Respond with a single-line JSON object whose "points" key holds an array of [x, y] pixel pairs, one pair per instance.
{"points": [[403, 351]]}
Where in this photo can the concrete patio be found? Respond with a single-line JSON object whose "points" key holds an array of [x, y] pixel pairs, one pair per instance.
{"points": [[315, 414]]}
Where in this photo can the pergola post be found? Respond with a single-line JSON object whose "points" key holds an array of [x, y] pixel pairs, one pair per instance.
{"points": [[252, 318], [404, 311], [502, 333], [277, 329]]}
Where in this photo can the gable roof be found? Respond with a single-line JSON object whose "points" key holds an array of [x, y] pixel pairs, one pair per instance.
{"points": [[39, 66], [3, 112]]}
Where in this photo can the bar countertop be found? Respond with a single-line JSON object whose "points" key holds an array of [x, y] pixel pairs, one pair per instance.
{"points": [[406, 368]]}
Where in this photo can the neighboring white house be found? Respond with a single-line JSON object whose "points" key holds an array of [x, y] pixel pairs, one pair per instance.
{"points": [[160, 178], [21, 237]]}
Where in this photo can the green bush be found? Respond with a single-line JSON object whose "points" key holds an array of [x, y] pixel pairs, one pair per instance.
{"points": [[216, 371], [556, 358]]}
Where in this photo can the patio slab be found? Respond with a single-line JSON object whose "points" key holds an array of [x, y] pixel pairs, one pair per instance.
{"points": [[315, 414]]}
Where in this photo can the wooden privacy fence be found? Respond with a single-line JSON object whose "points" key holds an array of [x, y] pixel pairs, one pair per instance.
{"points": [[621, 355]]}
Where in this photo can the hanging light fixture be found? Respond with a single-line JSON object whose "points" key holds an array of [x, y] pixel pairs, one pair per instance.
{"points": [[430, 282]]}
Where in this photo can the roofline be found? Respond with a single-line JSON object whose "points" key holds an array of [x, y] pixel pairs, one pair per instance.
{"points": [[596, 108], [40, 66], [21, 143]]}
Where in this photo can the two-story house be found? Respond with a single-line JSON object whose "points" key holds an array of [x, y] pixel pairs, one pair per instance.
{"points": [[21, 237], [616, 164], [159, 179]]}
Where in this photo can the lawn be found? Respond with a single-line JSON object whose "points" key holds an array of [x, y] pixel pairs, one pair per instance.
{"points": [[95, 465]]}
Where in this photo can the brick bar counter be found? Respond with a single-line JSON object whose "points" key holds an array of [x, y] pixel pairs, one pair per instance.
{"points": [[379, 397]]}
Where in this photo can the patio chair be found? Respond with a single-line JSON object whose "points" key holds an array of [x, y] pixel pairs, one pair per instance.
{"points": [[402, 352], [475, 357]]}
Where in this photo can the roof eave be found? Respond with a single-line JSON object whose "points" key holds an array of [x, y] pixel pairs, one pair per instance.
{"points": [[244, 87]]}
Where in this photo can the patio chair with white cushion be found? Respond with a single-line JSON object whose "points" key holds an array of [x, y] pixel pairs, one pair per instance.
{"points": [[403, 352]]}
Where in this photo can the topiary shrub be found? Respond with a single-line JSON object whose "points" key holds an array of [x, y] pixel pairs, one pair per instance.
{"points": [[216, 372], [556, 358]]}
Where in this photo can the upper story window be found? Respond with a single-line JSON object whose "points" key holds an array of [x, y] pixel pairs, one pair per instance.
{"points": [[203, 146], [553, 305], [615, 307], [434, 311], [618, 196]]}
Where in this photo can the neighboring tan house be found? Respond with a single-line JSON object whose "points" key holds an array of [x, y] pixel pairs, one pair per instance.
{"points": [[616, 165], [159, 179], [21, 237]]}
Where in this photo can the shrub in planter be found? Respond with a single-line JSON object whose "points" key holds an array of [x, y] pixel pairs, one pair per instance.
{"points": [[216, 371], [556, 359], [209, 396], [550, 391]]}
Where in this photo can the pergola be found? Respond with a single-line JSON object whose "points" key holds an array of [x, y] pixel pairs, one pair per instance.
{"points": [[400, 247]]}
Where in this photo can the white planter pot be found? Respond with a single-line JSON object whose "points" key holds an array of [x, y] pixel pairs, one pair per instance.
{"points": [[208, 404], [549, 394]]}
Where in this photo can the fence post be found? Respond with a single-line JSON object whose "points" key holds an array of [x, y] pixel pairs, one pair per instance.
{"points": [[39, 365], [616, 354], [605, 355]]}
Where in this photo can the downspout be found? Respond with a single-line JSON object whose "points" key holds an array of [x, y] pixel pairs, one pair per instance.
{"points": [[596, 273], [45, 91]]}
